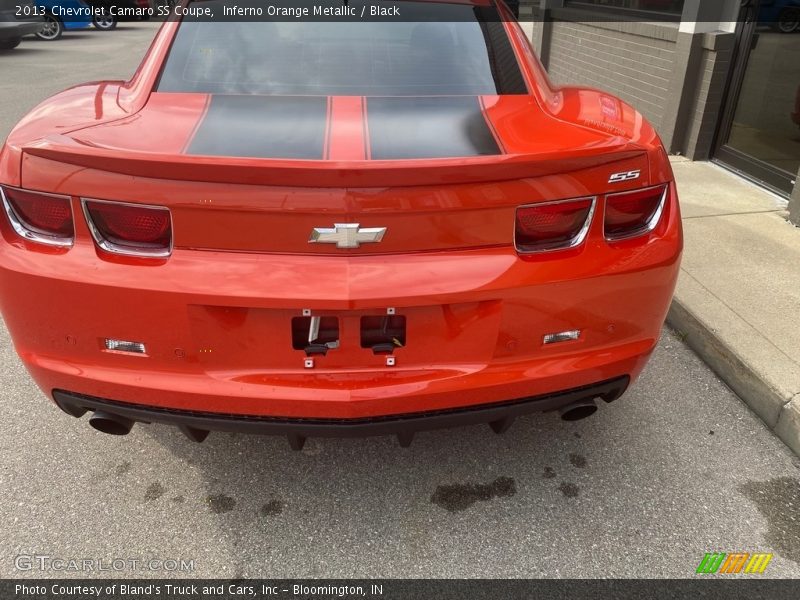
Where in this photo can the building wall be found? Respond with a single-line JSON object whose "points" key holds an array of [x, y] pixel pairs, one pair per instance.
{"points": [[634, 67], [708, 95]]}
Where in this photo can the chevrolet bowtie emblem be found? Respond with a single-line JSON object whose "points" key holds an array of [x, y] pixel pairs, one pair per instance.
{"points": [[347, 235]]}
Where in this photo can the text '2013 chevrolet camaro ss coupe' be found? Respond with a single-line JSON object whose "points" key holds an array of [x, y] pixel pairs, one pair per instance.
{"points": [[318, 228]]}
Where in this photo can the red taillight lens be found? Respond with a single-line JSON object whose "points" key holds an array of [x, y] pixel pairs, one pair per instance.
{"points": [[553, 225], [40, 217], [130, 228], [629, 214]]}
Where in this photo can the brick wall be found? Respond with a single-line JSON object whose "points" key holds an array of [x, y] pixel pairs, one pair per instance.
{"points": [[634, 67]]}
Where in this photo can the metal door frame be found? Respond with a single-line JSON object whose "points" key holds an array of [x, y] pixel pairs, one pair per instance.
{"points": [[776, 179]]}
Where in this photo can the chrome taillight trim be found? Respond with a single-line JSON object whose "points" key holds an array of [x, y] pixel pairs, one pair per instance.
{"points": [[18, 224], [651, 224], [120, 249], [576, 241]]}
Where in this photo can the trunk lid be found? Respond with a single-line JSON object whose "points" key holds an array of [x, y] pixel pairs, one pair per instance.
{"points": [[255, 175]]}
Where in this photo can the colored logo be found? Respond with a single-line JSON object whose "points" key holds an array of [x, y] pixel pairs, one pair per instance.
{"points": [[735, 562]]}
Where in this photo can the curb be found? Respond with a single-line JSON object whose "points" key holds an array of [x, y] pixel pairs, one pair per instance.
{"points": [[745, 381]]}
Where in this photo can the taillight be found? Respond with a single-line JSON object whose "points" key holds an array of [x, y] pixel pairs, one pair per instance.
{"points": [[39, 217], [630, 214], [130, 229], [553, 225]]}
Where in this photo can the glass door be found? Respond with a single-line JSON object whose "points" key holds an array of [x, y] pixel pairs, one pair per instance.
{"points": [[760, 129]]}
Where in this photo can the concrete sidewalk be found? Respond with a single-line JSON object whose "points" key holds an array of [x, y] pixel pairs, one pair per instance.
{"points": [[738, 298]]}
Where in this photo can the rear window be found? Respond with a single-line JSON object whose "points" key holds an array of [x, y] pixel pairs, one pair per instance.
{"points": [[448, 49]]}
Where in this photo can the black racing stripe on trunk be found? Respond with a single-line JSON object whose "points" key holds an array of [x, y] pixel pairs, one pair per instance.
{"points": [[263, 127], [428, 127]]}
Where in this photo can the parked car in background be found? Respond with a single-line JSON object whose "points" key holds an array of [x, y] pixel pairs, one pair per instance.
{"points": [[144, 4], [110, 12], [60, 15], [782, 15], [18, 18]]}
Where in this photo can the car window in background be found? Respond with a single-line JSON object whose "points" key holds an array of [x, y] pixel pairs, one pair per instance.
{"points": [[457, 49]]}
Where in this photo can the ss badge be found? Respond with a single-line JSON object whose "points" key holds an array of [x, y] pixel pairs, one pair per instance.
{"points": [[627, 175]]}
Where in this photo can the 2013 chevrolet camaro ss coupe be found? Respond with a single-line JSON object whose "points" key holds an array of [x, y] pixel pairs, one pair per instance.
{"points": [[319, 228]]}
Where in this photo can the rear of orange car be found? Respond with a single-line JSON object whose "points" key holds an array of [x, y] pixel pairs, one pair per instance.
{"points": [[324, 229]]}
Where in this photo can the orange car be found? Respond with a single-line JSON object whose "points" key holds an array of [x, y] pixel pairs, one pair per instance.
{"points": [[316, 228]]}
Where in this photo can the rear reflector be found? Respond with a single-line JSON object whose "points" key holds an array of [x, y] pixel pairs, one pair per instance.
{"points": [[553, 225], [130, 229], [39, 217], [124, 346], [562, 336], [630, 214]]}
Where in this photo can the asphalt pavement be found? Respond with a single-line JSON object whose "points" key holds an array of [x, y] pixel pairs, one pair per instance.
{"points": [[676, 468]]}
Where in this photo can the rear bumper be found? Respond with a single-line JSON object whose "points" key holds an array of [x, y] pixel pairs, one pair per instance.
{"points": [[232, 355], [195, 424]]}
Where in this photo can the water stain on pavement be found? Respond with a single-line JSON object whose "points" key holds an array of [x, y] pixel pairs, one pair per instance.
{"points": [[549, 473], [220, 503], [570, 490], [272, 508], [154, 492], [461, 496], [778, 501], [577, 460], [122, 468]]}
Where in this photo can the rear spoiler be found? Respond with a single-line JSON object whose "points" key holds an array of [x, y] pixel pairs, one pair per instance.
{"points": [[325, 173]]}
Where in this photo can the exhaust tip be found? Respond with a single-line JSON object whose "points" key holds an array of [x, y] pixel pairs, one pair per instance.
{"points": [[196, 435], [578, 410], [110, 424]]}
